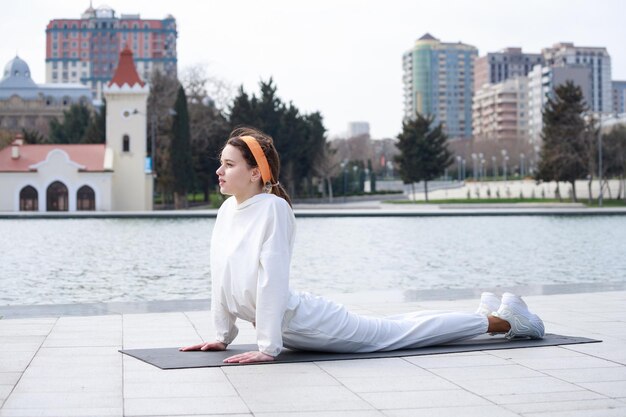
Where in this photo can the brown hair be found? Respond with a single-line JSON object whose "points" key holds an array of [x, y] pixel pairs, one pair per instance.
{"points": [[267, 145]]}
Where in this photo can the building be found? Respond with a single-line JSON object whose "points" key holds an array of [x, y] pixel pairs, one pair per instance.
{"points": [[358, 129], [597, 59], [438, 80], [86, 50], [509, 63], [500, 111], [101, 177], [619, 96], [27, 105], [541, 84]]}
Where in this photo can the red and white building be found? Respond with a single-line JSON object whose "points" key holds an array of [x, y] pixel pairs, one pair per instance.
{"points": [[113, 176], [85, 50]]}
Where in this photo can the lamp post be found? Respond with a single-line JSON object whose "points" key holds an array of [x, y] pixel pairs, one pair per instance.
{"points": [[458, 168], [474, 162], [495, 167], [504, 159], [343, 164]]}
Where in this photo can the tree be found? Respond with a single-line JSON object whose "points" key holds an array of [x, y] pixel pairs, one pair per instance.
{"points": [[73, 127], [163, 91], [32, 136], [181, 162], [424, 153], [208, 125], [299, 138], [566, 136], [615, 156], [96, 130]]}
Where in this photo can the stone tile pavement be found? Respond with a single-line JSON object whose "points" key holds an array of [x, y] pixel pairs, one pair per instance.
{"points": [[69, 366]]}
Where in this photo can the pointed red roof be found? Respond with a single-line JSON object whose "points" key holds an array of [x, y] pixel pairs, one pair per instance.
{"points": [[126, 73]]}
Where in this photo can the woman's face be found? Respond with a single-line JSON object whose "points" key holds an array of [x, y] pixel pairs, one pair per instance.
{"points": [[235, 176]]}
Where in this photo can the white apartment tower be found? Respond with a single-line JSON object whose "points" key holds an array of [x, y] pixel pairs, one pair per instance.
{"points": [[500, 111], [597, 59]]}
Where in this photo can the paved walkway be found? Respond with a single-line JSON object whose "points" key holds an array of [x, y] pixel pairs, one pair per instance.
{"points": [[69, 366]]}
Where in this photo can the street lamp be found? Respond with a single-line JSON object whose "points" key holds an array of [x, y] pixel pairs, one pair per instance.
{"points": [[474, 163], [504, 159], [343, 164], [458, 168], [482, 169], [495, 167]]}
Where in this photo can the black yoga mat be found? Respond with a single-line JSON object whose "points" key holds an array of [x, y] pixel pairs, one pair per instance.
{"points": [[172, 358]]}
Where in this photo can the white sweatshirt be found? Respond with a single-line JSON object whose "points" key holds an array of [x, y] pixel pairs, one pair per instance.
{"points": [[251, 250]]}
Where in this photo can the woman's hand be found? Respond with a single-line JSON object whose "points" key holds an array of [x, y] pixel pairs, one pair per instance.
{"points": [[249, 357], [205, 346]]}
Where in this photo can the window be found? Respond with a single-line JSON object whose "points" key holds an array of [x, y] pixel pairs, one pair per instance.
{"points": [[125, 143], [85, 198], [29, 200], [56, 197]]}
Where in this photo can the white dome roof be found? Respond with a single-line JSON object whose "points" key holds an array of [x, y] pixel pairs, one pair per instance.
{"points": [[17, 74]]}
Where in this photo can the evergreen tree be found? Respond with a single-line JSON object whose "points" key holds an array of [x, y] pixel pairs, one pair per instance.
{"points": [[32, 136], [243, 111], [73, 127], [96, 130], [424, 153], [614, 156], [163, 92], [181, 162], [299, 139], [566, 137]]}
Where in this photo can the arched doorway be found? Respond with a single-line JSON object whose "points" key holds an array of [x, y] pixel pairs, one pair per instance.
{"points": [[85, 198], [57, 197], [29, 200]]}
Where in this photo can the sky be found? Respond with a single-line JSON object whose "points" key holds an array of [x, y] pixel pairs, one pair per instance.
{"points": [[342, 58]]}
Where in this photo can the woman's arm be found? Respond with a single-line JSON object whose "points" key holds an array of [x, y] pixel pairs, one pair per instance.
{"points": [[273, 280]]}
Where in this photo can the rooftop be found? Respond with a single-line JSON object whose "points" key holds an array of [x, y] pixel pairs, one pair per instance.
{"points": [[89, 156]]}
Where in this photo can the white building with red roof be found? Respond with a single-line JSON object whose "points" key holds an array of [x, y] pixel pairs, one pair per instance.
{"points": [[103, 177]]}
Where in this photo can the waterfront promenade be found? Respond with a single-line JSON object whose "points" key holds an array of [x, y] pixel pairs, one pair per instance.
{"points": [[62, 365]]}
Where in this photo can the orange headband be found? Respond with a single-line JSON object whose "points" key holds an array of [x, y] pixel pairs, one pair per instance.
{"points": [[259, 157]]}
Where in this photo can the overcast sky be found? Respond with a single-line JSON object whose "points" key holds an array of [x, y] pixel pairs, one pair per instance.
{"points": [[340, 57]]}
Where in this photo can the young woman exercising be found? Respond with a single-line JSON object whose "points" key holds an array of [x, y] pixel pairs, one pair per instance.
{"points": [[251, 249]]}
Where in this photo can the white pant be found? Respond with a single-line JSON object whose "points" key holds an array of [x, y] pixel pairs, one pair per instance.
{"points": [[322, 325]]}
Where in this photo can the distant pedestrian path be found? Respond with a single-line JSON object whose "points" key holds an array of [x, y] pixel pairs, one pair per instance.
{"points": [[514, 189]]}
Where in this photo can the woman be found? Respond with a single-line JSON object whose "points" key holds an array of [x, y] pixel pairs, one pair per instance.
{"points": [[251, 250]]}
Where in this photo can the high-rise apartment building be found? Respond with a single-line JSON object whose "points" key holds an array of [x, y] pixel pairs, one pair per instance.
{"points": [[86, 50], [541, 84], [597, 59], [500, 111], [499, 66], [619, 96], [438, 80]]}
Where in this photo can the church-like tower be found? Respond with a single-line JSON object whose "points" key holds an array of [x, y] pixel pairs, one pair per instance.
{"points": [[126, 106]]}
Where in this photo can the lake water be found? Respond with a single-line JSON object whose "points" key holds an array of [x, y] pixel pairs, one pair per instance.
{"points": [[54, 261]]}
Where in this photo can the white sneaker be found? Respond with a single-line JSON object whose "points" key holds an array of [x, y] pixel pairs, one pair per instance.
{"points": [[523, 323], [489, 303]]}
